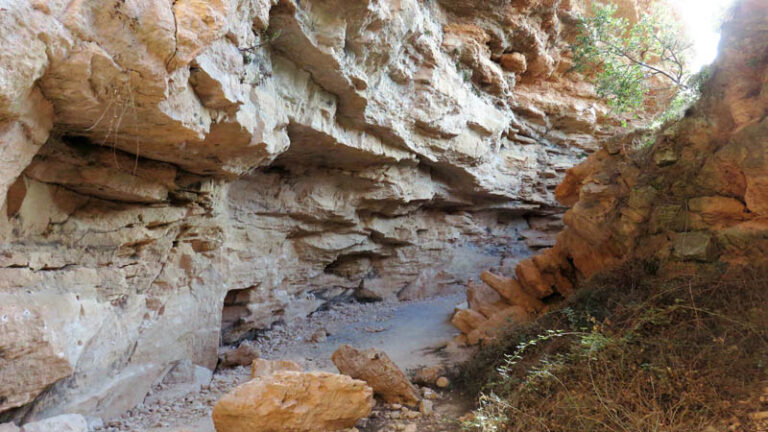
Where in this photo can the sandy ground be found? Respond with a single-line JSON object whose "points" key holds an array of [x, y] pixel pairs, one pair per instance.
{"points": [[413, 334]]}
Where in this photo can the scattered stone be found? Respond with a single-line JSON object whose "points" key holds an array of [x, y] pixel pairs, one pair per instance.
{"points": [[443, 382], [319, 336], [62, 423], [379, 371], [428, 393], [412, 415], [294, 401], [263, 367], [243, 355], [429, 375], [426, 407], [411, 428]]}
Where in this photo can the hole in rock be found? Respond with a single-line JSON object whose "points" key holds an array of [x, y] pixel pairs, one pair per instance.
{"points": [[234, 317]]}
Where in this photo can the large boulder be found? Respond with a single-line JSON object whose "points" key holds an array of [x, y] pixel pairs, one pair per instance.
{"points": [[290, 401], [379, 371]]}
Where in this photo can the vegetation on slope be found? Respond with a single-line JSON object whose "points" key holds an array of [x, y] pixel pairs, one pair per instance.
{"points": [[632, 351]]}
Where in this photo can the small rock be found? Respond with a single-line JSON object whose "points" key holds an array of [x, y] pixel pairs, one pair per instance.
{"points": [[425, 407], [429, 375], [243, 355], [430, 394], [443, 382], [410, 428], [319, 336]]}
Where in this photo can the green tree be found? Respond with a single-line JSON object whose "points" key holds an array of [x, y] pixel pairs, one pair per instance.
{"points": [[630, 63]]}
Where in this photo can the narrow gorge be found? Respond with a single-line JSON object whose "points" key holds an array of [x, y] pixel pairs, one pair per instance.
{"points": [[180, 178]]}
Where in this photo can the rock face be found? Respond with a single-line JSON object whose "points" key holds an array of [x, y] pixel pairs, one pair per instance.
{"points": [[378, 371], [294, 402], [697, 197], [177, 173]]}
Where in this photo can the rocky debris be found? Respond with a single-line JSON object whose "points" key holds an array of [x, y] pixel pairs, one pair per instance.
{"points": [[168, 410], [696, 196], [294, 401], [378, 371], [62, 423], [243, 355], [429, 375], [263, 367], [425, 407], [443, 382], [429, 394], [321, 335]]}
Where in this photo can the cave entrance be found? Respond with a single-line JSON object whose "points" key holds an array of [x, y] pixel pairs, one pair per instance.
{"points": [[234, 315]]}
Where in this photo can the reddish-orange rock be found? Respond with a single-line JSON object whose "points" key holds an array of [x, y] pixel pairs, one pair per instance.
{"points": [[514, 62], [378, 371], [483, 299], [511, 291], [467, 320], [532, 280]]}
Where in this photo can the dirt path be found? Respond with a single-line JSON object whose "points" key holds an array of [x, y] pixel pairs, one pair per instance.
{"points": [[411, 333]]}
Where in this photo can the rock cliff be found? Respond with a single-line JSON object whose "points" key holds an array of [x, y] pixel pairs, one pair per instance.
{"points": [[696, 196], [178, 174]]}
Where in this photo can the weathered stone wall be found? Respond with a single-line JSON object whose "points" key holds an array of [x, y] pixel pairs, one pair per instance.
{"points": [[697, 197], [156, 156]]}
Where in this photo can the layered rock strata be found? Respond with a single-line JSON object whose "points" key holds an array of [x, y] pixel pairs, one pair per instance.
{"points": [[169, 168], [698, 196]]}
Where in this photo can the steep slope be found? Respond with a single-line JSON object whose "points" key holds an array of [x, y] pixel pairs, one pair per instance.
{"points": [[696, 199]]}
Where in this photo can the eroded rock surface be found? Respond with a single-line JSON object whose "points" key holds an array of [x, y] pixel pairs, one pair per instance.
{"points": [[169, 169], [697, 197]]}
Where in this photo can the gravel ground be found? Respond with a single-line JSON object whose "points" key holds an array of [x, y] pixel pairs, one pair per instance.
{"points": [[411, 333]]}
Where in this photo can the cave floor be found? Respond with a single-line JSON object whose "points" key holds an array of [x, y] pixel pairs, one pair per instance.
{"points": [[413, 334]]}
